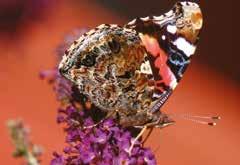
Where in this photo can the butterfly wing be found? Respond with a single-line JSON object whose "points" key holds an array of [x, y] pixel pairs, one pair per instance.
{"points": [[170, 41]]}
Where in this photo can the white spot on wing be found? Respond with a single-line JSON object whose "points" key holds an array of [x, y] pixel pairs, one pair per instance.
{"points": [[191, 4], [146, 68], [173, 84], [145, 19], [185, 46], [158, 18], [155, 95], [132, 22], [163, 37], [184, 3], [170, 13], [172, 29]]}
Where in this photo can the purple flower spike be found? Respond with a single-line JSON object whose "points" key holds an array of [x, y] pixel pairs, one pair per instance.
{"points": [[104, 143], [58, 159]]}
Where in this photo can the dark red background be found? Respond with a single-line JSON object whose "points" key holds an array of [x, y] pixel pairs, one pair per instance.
{"points": [[210, 86]]}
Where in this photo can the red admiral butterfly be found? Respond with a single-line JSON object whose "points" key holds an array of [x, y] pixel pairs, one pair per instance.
{"points": [[130, 71]]}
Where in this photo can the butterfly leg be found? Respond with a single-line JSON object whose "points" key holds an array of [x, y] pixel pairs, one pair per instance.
{"points": [[144, 128], [148, 135], [136, 139]]}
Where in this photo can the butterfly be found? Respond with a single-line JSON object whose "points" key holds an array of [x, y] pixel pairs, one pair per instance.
{"points": [[130, 71]]}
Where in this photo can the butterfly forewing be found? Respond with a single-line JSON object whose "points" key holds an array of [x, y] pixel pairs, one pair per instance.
{"points": [[170, 41]]}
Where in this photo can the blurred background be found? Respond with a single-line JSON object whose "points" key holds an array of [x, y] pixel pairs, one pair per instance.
{"points": [[30, 31]]}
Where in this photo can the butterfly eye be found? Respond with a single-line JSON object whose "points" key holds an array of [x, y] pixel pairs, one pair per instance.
{"points": [[89, 60], [114, 46]]}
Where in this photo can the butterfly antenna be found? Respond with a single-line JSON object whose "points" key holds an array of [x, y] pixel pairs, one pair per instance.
{"points": [[204, 117], [201, 122], [206, 120]]}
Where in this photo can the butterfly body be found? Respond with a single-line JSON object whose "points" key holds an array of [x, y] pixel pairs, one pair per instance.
{"points": [[130, 71]]}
